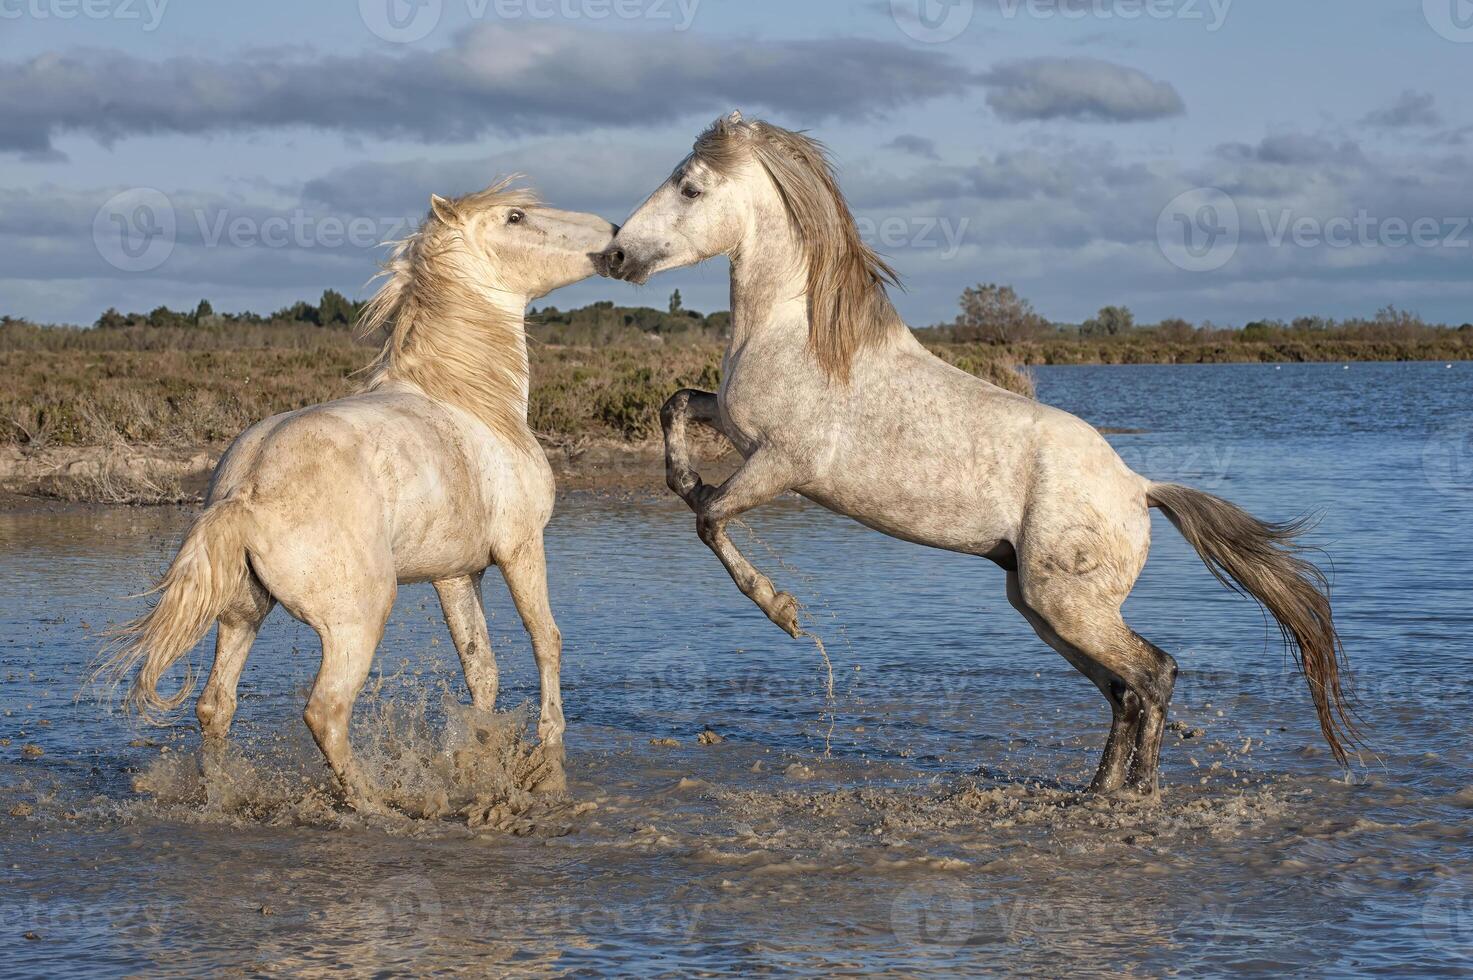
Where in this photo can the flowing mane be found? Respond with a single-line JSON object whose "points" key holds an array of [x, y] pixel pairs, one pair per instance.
{"points": [[443, 333], [848, 307]]}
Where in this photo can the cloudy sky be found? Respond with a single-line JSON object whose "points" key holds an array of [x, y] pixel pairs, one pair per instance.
{"points": [[1213, 159]]}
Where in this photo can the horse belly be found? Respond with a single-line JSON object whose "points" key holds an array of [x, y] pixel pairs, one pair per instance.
{"points": [[950, 521]]}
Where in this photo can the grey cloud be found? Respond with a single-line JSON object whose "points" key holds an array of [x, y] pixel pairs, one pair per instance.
{"points": [[1295, 149], [528, 79], [1411, 108], [1086, 89], [558, 169], [914, 145]]}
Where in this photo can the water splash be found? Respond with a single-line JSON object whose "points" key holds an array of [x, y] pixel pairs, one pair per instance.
{"points": [[830, 709], [436, 762]]}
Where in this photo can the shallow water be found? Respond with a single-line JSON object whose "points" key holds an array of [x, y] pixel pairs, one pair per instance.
{"points": [[944, 830]]}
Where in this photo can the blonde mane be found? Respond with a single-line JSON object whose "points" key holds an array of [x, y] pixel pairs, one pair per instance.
{"points": [[848, 307], [443, 334]]}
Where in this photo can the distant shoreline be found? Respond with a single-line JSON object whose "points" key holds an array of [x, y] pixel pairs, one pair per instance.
{"points": [[1455, 347], [139, 414]]}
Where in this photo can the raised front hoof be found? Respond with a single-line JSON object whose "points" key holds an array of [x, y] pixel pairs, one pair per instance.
{"points": [[783, 610]]}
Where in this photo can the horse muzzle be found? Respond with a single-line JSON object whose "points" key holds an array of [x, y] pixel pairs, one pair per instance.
{"points": [[618, 262]]}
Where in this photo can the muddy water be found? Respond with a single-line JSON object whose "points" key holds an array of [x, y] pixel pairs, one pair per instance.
{"points": [[942, 832]]}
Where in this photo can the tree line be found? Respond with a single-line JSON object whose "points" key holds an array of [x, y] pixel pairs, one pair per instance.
{"points": [[989, 313], [993, 313]]}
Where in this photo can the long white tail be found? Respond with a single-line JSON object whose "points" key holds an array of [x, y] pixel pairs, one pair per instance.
{"points": [[207, 573]]}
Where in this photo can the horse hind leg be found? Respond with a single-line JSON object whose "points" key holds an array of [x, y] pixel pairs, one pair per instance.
{"points": [[347, 658], [1161, 683], [234, 635], [1125, 704], [1135, 676]]}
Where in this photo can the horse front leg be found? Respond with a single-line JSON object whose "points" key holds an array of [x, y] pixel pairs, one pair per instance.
{"points": [[762, 477], [687, 404]]}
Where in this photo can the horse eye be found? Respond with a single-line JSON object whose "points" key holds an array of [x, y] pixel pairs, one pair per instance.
{"points": [[690, 192], [516, 216]]}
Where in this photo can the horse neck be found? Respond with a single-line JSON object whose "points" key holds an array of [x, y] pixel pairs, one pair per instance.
{"points": [[769, 283], [471, 354]]}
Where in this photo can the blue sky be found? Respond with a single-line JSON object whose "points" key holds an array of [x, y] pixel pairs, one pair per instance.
{"points": [[1212, 159]]}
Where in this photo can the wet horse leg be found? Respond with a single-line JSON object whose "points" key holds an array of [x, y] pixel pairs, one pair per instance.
{"points": [[347, 657], [460, 600], [525, 571], [1140, 678], [762, 477], [1125, 704], [688, 404], [237, 629], [215, 709]]}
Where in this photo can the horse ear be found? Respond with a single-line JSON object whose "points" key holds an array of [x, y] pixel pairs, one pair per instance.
{"points": [[444, 209]]}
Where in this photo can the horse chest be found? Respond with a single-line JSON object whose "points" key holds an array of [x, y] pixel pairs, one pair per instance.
{"points": [[766, 398]]}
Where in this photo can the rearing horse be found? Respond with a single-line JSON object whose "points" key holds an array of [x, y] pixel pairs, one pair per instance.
{"points": [[825, 392]]}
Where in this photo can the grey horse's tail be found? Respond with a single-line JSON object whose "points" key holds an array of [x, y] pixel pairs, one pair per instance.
{"points": [[1262, 560], [206, 574]]}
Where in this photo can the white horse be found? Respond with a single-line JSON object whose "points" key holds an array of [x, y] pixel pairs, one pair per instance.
{"points": [[429, 474], [825, 392]]}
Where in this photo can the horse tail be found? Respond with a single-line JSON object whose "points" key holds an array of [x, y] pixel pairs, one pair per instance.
{"points": [[209, 570], [1262, 560]]}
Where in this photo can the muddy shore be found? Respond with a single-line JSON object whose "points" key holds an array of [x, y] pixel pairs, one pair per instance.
{"points": [[143, 475]]}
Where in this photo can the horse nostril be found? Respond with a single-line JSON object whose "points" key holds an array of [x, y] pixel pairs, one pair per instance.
{"points": [[616, 259]]}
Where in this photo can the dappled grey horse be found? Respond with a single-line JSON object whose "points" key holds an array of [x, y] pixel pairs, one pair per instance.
{"points": [[826, 392]]}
